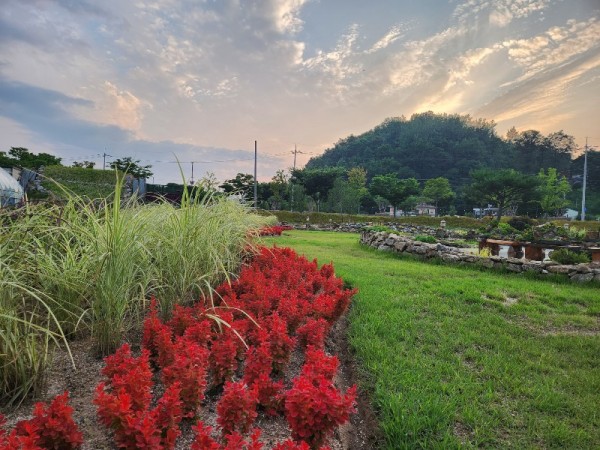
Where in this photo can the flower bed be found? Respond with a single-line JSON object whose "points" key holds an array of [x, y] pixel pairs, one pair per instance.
{"points": [[274, 230], [240, 346]]}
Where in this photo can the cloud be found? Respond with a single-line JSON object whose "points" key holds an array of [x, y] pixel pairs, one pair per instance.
{"points": [[499, 13], [390, 37], [554, 47], [48, 113], [541, 101]]}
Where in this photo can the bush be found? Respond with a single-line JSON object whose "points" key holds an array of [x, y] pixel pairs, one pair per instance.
{"points": [[521, 223], [566, 256], [505, 229], [377, 228], [427, 239]]}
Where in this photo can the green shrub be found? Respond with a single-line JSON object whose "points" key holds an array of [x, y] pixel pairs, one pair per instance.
{"points": [[379, 228], [427, 239], [521, 223], [566, 256], [505, 229]]}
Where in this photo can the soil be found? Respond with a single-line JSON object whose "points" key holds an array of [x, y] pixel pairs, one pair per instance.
{"points": [[361, 432]]}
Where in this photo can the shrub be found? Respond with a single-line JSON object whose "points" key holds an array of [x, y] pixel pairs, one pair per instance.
{"points": [[51, 427], [189, 370], [237, 408], [378, 228], [313, 332], [566, 256], [155, 429], [425, 238], [130, 375], [223, 358], [505, 229], [521, 223], [314, 407]]}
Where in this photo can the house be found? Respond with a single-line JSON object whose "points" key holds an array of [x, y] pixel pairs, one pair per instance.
{"points": [[424, 209], [11, 192], [478, 213]]}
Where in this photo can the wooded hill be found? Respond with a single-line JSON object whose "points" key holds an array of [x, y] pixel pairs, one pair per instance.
{"points": [[430, 145]]}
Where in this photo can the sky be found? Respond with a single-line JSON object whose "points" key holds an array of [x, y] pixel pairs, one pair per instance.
{"points": [[201, 80]]}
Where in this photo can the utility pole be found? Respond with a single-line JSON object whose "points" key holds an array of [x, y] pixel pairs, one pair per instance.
{"points": [[584, 177], [295, 152], [255, 180], [192, 179], [104, 155]]}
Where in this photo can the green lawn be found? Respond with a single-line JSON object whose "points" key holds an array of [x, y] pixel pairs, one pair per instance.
{"points": [[459, 358]]}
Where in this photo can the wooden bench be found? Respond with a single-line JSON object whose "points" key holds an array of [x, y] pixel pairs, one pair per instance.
{"points": [[515, 248]]}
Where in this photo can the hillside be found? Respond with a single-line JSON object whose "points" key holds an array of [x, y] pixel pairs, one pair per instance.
{"points": [[430, 145]]}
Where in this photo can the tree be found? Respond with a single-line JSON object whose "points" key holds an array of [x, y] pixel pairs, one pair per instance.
{"points": [[357, 182], [278, 187], [553, 191], [84, 164], [341, 197], [438, 190], [128, 165], [21, 156], [393, 189], [243, 183], [503, 188]]}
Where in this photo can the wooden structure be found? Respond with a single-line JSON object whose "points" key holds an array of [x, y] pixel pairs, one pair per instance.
{"points": [[532, 251]]}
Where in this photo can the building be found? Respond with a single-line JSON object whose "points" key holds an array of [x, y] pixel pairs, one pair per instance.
{"points": [[424, 209], [11, 192]]}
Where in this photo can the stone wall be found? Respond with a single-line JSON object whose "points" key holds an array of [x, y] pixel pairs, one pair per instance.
{"points": [[392, 242]]}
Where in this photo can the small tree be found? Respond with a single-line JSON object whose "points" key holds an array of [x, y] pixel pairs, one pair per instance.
{"points": [[439, 191], [21, 156], [393, 189], [553, 190], [502, 187], [243, 183], [128, 165], [84, 164]]}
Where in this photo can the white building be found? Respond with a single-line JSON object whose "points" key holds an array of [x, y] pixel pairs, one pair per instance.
{"points": [[11, 191]]}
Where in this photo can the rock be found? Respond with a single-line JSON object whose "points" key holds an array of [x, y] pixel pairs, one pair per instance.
{"points": [[583, 268], [559, 269], [384, 248], [487, 262], [533, 266], [516, 261], [583, 277], [400, 246], [514, 267]]}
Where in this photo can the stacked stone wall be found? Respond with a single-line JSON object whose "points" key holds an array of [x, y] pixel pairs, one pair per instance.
{"points": [[392, 242]]}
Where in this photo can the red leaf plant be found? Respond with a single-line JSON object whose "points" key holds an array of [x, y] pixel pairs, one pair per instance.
{"points": [[313, 406], [313, 332], [281, 344], [189, 370], [234, 441], [291, 445], [236, 410], [130, 374], [223, 358], [52, 427], [154, 429]]}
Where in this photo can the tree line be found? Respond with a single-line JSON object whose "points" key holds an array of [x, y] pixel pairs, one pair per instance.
{"points": [[453, 162]]}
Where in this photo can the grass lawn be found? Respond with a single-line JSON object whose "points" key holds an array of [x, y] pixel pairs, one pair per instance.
{"points": [[457, 358]]}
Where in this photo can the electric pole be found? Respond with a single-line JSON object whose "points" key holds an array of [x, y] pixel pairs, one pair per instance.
{"points": [[255, 180], [104, 155], [295, 152], [584, 178]]}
